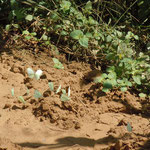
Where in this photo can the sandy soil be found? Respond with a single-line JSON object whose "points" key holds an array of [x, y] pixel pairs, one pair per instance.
{"points": [[91, 120]]}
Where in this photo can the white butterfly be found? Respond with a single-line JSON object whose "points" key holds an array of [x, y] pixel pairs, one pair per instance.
{"points": [[33, 74]]}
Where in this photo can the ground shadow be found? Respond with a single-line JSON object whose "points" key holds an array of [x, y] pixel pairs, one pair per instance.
{"points": [[72, 141]]}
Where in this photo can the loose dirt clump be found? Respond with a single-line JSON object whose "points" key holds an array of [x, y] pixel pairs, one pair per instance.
{"points": [[91, 119]]}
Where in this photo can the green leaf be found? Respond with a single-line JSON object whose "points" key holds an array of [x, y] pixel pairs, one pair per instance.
{"points": [[104, 75], [113, 82], [136, 37], [33, 33], [123, 89], [44, 37], [107, 85], [142, 95], [54, 16], [88, 5], [29, 17], [12, 92], [25, 32], [65, 5], [13, 3], [108, 38], [58, 90], [129, 128], [64, 33], [21, 99], [57, 64], [137, 79], [76, 34], [64, 98], [56, 61], [28, 91], [121, 82], [28, 37], [51, 86], [119, 34], [63, 91], [105, 90], [111, 69], [88, 35], [112, 75], [15, 26], [84, 41], [128, 83], [92, 21], [98, 79], [37, 94], [8, 26]]}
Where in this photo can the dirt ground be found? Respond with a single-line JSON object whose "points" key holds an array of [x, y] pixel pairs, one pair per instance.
{"points": [[91, 120]]}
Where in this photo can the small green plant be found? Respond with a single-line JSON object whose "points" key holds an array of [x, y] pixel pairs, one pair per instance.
{"points": [[129, 128], [64, 96], [81, 29], [37, 94], [20, 98], [57, 64]]}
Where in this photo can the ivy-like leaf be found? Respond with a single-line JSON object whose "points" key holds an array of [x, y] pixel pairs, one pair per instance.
{"points": [[84, 41], [108, 38], [107, 85], [29, 17], [123, 89], [137, 79], [142, 95], [88, 6], [76, 34], [65, 5]]}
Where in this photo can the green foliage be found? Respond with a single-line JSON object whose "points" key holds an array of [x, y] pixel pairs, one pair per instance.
{"points": [[144, 10], [21, 99], [12, 92], [128, 69], [142, 95], [129, 128], [51, 86], [57, 64], [64, 97], [37, 94], [81, 28]]}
